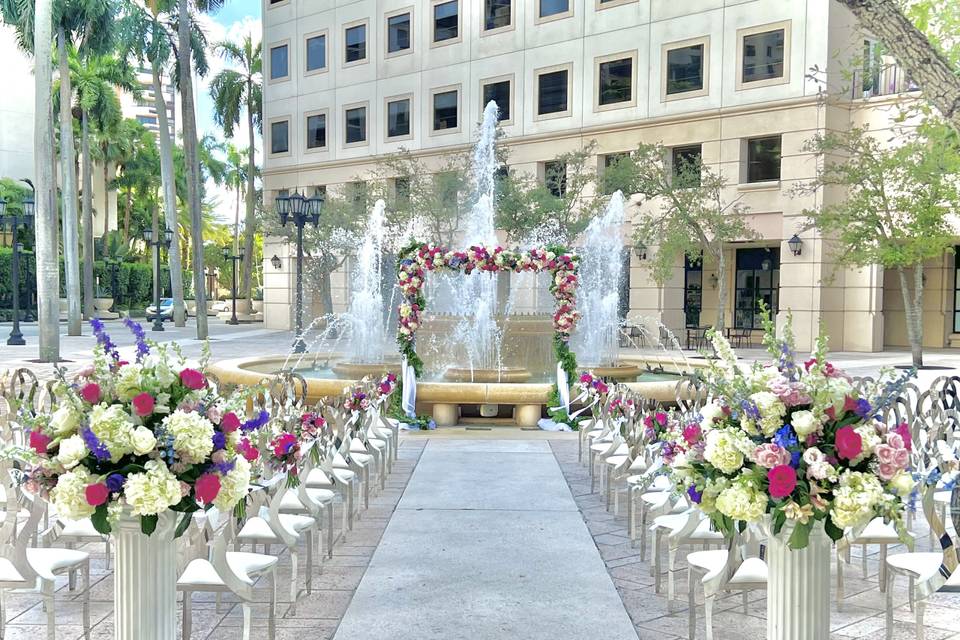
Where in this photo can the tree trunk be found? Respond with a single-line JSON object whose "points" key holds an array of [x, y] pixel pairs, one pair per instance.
{"points": [[250, 223], [721, 290], [326, 293], [155, 225], [126, 215], [169, 200], [48, 271], [71, 248], [192, 165], [106, 204], [919, 58], [87, 222], [913, 310]]}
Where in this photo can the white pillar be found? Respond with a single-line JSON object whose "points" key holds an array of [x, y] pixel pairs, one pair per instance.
{"points": [[798, 588], [145, 582]]}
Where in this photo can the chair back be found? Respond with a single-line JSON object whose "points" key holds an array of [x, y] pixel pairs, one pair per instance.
{"points": [[15, 536]]}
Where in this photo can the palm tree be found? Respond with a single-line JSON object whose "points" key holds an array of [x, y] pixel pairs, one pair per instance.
{"points": [[232, 92], [115, 146], [137, 168], [236, 176]]}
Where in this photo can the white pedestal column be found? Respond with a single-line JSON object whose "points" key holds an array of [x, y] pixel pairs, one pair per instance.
{"points": [[798, 589], [145, 580]]}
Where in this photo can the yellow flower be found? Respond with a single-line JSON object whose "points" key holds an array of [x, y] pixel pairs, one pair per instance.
{"points": [[794, 511]]}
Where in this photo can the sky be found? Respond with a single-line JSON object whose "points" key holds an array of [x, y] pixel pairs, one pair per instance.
{"points": [[233, 22]]}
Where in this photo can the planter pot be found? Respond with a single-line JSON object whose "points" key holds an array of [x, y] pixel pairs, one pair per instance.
{"points": [[145, 582], [102, 304], [258, 306], [798, 588]]}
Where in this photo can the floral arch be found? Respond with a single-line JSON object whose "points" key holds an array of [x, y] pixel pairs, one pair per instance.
{"points": [[418, 258]]}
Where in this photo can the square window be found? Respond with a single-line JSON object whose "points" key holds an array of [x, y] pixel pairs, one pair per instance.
{"points": [[610, 174], [552, 95], [445, 110], [446, 21], [763, 159], [616, 81], [280, 136], [279, 62], [499, 92], [496, 14], [398, 118], [401, 192], [553, 7], [355, 39], [398, 33], [316, 53], [685, 165], [317, 131], [555, 178], [763, 55], [356, 125], [685, 69]]}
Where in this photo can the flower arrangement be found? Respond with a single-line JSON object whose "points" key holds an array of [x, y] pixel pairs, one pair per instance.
{"points": [[418, 258], [356, 398], [386, 386], [796, 442], [591, 386], [143, 437]]}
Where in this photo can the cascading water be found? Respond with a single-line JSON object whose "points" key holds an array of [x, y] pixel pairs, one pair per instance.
{"points": [[365, 314], [598, 297]]}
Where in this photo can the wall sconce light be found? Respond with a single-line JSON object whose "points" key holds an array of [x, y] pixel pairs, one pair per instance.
{"points": [[276, 262], [714, 281], [795, 244], [640, 250]]}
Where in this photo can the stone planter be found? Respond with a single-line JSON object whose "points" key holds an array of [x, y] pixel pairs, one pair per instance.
{"points": [[798, 586], [101, 309], [257, 306], [145, 583]]}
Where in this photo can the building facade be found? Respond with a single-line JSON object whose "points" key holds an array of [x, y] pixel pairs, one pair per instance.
{"points": [[742, 85]]}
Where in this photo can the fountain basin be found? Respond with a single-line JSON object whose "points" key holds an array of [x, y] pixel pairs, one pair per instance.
{"points": [[357, 370], [506, 374], [619, 372]]}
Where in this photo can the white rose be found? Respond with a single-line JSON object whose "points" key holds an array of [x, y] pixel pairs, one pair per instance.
{"points": [[64, 420], [71, 451], [143, 441], [804, 423], [903, 484]]}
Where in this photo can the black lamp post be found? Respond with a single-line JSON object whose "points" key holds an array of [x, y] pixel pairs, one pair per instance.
{"points": [[114, 264], [234, 259], [13, 221], [162, 242], [302, 210]]}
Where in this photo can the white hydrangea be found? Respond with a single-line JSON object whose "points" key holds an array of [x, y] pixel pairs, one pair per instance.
{"points": [[152, 491], [70, 494], [143, 441], [710, 413], [192, 435], [65, 420], [71, 452], [760, 378], [114, 428], [804, 423], [726, 449], [234, 485], [128, 381], [158, 365], [854, 498], [870, 439], [771, 410], [742, 501]]}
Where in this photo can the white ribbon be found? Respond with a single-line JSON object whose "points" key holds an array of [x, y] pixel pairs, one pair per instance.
{"points": [[409, 400], [563, 388]]}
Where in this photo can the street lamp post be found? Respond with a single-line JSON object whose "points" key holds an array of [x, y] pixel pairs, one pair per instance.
{"points": [[114, 264], [13, 222], [227, 255], [301, 210], [162, 242]]}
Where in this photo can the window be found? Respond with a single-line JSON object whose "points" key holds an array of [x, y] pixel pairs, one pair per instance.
{"points": [[398, 33], [401, 192], [446, 21], [553, 91], [445, 110], [763, 159], [356, 125], [685, 69], [763, 52], [615, 81], [609, 181], [316, 53], [355, 40], [279, 62], [956, 290], [758, 280], [398, 118], [685, 165], [317, 131], [692, 290], [555, 177], [280, 136], [496, 14], [557, 8], [499, 92], [147, 119], [356, 192]]}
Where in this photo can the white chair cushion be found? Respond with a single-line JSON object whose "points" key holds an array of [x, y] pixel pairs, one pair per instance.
{"points": [[879, 531], [751, 570], [708, 561], [615, 461], [79, 529], [46, 562], [922, 565], [638, 464]]}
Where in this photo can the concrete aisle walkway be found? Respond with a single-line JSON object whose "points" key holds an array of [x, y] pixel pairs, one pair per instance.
{"points": [[486, 543]]}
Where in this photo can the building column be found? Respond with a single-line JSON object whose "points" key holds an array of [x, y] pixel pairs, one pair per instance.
{"points": [[278, 284]]}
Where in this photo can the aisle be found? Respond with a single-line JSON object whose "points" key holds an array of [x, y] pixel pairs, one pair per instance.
{"points": [[486, 542]]}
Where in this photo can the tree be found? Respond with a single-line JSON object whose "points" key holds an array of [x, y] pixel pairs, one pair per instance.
{"points": [[688, 214], [48, 271], [138, 177], [234, 91], [896, 204], [236, 177], [925, 61]]}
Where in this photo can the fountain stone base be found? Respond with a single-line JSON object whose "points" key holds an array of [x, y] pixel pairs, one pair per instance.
{"points": [[357, 370], [621, 372], [506, 374]]}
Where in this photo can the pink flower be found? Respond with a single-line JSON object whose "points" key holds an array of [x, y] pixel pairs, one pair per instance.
{"points": [[284, 444], [248, 451], [230, 422], [849, 403], [86, 372], [90, 392], [887, 471], [218, 457], [585, 378], [771, 455], [849, 443], [97, 494], [143, 404], [207, 487], [193, 379], [903, 430], [661, 418], [692, 433], [214, 414], [783, 480], [39, 442]]}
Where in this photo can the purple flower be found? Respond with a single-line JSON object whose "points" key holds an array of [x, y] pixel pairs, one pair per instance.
{"points": [[115, 482], [219, 440], [97, 448], [255, 423], [140, 336], [695, 495], [225, 467], [103, 339], [863, 408], [750, 409]]}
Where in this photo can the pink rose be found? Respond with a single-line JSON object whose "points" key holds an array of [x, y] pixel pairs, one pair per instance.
{"points": [[885, 453], [90, 392], [661, 418], [207, 487], [849, 443], [901, 457], [97, 494], [783, 480], [692, 433], [184, 489], [143, 404], [214, 414], [193, 379], [86, 372], [219, 456], [887, 471], [248, 451], [771, 455], [39, 442], [895, 440], [230, 422]]}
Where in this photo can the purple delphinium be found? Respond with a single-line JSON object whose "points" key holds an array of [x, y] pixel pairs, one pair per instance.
{"points": [[225, 467], [115, 482], [219, 440], [255, 423], [104, 340], [143, 349], [863, 408], [788, 361], [97, 448], [695, 496]]}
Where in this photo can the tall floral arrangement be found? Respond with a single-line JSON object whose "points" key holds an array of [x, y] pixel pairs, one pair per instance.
{"points": [[142, 437], [793, 441]]}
